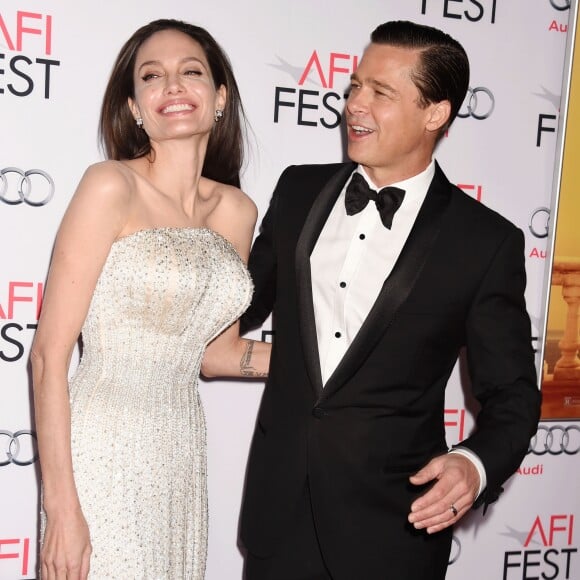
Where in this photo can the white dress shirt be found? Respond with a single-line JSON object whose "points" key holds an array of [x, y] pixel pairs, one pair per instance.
{"points": [[350, 262]]}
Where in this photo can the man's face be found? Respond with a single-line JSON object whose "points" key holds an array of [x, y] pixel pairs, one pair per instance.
{"points": [[389, 133]]}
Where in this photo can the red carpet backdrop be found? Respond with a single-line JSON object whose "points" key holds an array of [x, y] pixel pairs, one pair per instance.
{"points": [[293, 61]]}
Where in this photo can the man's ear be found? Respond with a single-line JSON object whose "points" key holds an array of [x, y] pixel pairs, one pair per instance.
{"points": [[438, 115]]}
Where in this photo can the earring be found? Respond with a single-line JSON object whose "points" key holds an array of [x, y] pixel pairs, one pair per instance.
{"points": [[139, 122], [218, 115]]}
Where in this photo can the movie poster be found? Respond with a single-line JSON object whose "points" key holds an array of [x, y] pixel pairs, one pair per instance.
{"points": [[561, 373]]}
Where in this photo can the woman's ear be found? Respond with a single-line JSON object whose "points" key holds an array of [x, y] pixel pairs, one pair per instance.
{"points": [[221, 97], [133, 108]]}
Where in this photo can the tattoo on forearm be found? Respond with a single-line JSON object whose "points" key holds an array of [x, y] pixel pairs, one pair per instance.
{"points": [[246, 368]]}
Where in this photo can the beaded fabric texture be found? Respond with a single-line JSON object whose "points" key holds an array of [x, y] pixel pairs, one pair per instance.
{"points": [[138, 429]]}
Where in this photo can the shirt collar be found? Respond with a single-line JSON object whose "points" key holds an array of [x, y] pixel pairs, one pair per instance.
{"points": [[415, 185]]}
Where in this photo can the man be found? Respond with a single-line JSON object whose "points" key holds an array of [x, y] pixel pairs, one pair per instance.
{"points": [[349, 476]]}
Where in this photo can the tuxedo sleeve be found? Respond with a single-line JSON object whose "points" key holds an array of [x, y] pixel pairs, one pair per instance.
{"points": [[501, 367], [263, 269]]}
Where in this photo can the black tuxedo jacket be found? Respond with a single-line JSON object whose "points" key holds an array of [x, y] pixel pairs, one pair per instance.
{"points": [[459, 281]]}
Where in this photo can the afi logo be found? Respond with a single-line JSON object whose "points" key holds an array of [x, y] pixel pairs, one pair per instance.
{"points": [[26, 29], [475, 191], [15, 549], [548, 551], [546, 124], [545, 533], [21, 292], [471, 10], [454, 421], [12, 340], [315, 107], [338, 63]]}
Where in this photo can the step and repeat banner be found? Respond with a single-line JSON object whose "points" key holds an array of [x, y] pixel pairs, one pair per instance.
{"points": [[293, 61]]}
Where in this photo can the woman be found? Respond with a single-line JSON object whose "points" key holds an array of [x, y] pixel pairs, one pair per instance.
{"points": [[149, 263]]}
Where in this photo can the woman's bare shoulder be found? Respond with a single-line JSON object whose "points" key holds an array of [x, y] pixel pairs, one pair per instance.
{"points": [[110, 175], [233, 201]]}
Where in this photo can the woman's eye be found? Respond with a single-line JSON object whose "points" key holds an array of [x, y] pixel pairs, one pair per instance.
{"points": [[149, 76], [193, 72]]}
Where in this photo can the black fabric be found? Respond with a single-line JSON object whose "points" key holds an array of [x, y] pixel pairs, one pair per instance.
{"points": [[459, 282], [388, 200], [298, 556]]}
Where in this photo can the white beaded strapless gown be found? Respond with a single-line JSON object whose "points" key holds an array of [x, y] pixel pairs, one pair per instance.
{"points": [[138, 429]]}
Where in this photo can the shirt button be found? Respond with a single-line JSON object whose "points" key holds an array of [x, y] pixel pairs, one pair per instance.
{"points": [[337, 334], [362, 237], [343, 284]]}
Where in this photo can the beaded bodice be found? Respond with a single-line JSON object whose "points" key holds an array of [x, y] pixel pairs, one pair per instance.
{"points": [[162, 296]]}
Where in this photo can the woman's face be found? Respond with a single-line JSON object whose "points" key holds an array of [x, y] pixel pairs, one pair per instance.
{"points": [[175, 93]]}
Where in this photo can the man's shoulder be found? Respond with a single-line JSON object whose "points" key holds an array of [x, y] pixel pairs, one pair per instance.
{"points": [[315, 170], [471, 211], [478, 212]]}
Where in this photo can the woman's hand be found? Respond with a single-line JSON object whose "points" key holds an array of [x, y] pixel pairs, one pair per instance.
{"points": [[66, 548]]}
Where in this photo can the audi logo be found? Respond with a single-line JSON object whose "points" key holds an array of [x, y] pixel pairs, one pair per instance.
{"points": [[33, 187], [19, 447], [479, 103], [560, 4], [455, 550], [556, 440], [539, 225]]}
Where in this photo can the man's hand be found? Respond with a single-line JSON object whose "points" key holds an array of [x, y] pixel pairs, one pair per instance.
{"points": [[453, 493]]}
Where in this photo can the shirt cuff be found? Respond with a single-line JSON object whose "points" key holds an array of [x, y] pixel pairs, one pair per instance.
{"points": [[473, 457]]}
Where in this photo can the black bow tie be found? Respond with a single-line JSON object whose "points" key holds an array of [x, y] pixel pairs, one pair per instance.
{"points": [[388, 200]]}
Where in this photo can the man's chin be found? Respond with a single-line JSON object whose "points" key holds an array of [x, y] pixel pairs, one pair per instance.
{"points": [[354, 153]]}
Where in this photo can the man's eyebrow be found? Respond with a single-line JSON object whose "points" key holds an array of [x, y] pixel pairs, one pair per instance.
{"points": [[384, 86], [375, 83]]}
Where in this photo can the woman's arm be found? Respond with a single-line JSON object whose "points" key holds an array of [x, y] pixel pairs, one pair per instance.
{"points": [[228, 355], [91, 223]]}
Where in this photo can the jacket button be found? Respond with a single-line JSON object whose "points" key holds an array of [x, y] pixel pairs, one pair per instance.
{"points": [[319, 412]]}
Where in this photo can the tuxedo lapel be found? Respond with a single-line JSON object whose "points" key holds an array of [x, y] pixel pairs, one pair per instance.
{"points": [[399, 284], [313, 225]]}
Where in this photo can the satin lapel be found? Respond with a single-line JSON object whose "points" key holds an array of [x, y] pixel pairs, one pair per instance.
{"points": [[399, 284], [312, 227]]}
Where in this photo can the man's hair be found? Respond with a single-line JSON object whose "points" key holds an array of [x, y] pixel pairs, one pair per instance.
{"points": [[443, 69]]}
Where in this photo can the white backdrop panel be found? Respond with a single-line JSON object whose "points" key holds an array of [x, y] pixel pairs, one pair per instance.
{"points": [[51, 85]]}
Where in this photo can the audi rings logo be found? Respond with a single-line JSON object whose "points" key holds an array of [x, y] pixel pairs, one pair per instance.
{"points": [[33, 187], [560, 4], [19, 448], [556, 440], [539, 225], [479, 103], [455, 550]]}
